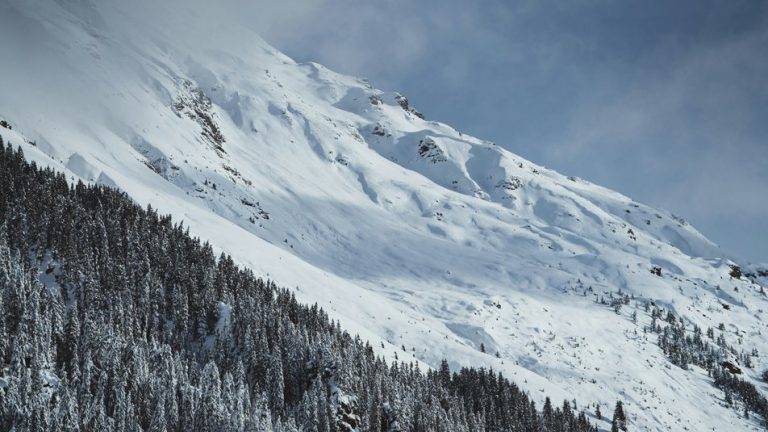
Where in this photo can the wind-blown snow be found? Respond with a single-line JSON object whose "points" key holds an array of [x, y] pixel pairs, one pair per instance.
{"points": [[411, 233]]}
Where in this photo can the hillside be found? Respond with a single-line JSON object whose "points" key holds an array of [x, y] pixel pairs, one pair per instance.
{"points": [[428, 242], [112, 318]]}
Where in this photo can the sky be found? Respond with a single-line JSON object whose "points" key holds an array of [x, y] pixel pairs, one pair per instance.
{"points": [[666, 102]]}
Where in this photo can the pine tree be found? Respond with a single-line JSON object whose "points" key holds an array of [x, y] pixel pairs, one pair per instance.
{"points": [[619, 418], [445, 373], [614, 426], [276, 384], [548, 415]]}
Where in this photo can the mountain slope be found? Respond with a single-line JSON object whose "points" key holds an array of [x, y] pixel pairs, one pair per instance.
{"points": [[112, 318], [411, 233]]}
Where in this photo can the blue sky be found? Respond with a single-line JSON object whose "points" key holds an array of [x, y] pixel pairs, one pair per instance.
{"points": [[666, 102]]}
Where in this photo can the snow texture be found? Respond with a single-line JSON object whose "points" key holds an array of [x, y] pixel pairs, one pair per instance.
{"points": [[411, 233]]}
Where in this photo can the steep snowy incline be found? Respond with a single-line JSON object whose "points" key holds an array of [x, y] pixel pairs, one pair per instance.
{"points": [[411, 233]]}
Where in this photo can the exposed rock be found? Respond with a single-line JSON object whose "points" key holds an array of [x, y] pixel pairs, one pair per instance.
{"points": [[735, 271], [510, 184], [428, 149], [379, 130], [193, 103], [405, 105], [730, 367]]}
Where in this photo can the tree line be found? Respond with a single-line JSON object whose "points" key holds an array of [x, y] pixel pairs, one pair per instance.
{"points": [[114, 318]]}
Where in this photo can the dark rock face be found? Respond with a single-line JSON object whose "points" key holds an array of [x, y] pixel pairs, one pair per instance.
{"points": [[406, 106], [735, 271], [428, 149], [193, 103], [730, 367]]}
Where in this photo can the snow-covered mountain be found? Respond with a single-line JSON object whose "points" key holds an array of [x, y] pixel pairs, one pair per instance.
{"points": [[430, 243]]}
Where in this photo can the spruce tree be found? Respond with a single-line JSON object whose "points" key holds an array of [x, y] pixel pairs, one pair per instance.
{"points": [[619, 418]]}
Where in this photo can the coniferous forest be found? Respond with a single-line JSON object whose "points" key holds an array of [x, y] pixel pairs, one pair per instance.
{"points": [[113, 318]]}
